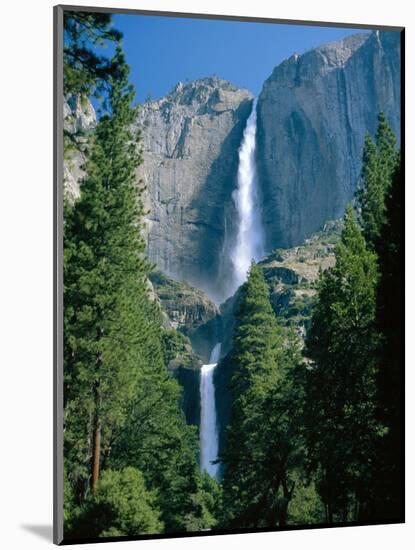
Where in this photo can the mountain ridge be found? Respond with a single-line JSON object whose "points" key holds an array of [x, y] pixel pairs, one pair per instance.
{"points": [[313, 112]]}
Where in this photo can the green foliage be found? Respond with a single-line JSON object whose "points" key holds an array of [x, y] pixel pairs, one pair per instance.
{"points": [[157, 441], [261, 446], [70, 510], [388, 490], [116, 383], [108, 320], [379, 163], [85, 71], [206, 504], [177, 349], [353, 398], [122, 506], [340, 426], [295, 308], [306, 507]]}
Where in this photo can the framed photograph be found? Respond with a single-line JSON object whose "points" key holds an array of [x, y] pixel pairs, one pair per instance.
{"points": [[229, 263]]}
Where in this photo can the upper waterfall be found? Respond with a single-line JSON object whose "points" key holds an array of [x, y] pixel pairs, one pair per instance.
{"points": [[249, 243]]}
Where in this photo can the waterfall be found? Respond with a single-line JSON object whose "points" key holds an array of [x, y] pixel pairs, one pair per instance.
{"points": [[249, 244], [208, 429]]}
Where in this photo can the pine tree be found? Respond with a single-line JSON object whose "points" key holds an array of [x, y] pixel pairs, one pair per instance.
{"points": [[340, 423], [386, 147], [260, 437], [380, 201], [85, 71], [104, 288], [122, 506], [121, 405], [387, 504], [378, 164]]}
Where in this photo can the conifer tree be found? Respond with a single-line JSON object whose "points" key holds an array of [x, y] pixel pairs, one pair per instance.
{"points": [[387, 504], [104, 287], [378, 165], [380, 201], [87, 72], [386, 147], [340, 424], [121, 405], [260, 437]]}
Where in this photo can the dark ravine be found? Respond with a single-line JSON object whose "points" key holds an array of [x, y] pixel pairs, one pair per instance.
{"points": [[198, 322]]}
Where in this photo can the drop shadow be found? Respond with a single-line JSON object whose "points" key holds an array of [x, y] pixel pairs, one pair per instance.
{"points": [[44, 532]]}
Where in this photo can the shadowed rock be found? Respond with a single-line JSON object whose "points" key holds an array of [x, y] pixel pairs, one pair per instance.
{"points": [[313, 113]]}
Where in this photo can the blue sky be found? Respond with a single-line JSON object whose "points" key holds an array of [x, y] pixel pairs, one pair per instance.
{"points": [[163, 51]]}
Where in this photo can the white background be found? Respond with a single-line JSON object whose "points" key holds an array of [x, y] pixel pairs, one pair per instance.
{"points": [[26, 270]]}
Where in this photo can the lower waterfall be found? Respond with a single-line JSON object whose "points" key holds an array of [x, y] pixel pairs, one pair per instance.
{"points": [[208, 428]]}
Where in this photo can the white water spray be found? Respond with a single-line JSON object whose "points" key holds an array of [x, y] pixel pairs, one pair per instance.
{"points": [[208, 429], [250, 235], [248, 246]]}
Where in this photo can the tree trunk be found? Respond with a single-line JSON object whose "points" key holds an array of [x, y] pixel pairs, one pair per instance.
{"points": [[283, 514], [288, 493], [96, 443], [96, 456], [330, 513]]}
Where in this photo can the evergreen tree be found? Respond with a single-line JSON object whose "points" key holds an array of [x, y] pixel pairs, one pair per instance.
{"points": [[260, 439], [121, 405], [378, 165], [122, 506], [380, 201], [104, 289], [340, 425], [387, 504], [85, 71], [386, 147], [157, 441]]}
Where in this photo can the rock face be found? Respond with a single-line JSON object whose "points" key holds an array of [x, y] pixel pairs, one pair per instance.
{"points": [[190, 141], [79, 120], [78, 114], [189, 311], [313, 113], [187, 307], [292, 274]]}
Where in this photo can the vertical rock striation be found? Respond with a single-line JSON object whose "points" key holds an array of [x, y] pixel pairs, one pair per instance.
{"points": [[313, 113], [190, 145]]}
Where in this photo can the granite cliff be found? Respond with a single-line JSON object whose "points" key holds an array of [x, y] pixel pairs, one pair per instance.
{"points": [[313, 113], [188, 310], [190, 141], [79, 121]]}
